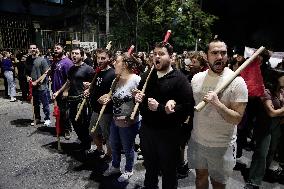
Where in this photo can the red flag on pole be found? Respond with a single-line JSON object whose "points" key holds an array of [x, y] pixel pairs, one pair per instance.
{"points": [[253, 78], [130, 50], [167, 36], [56, 114], [30, 90]]}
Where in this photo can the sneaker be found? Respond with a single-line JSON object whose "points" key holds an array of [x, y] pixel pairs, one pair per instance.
{"points": [[111, 170], [67, 135], [140, 156], [125, 176], [37, 122], [182, 171], [281, 177], [251, 186], [47, 123], [13, 99], [106, 158], [272, 176]]}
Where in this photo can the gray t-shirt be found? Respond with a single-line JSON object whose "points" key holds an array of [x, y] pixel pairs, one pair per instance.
{"points": [[209, 128], [123, 102], [40, 66]]}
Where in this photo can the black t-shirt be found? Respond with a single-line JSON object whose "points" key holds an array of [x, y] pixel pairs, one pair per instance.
{"points": [[102, 86], [29, 65], [77, 75], [89, 61]]}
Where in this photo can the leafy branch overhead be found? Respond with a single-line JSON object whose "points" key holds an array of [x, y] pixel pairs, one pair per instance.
{"points": [[152, 18]]}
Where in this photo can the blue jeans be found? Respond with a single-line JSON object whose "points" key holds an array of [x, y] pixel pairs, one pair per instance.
{"points": [[11, 83], [41, 96], [125, 137]]}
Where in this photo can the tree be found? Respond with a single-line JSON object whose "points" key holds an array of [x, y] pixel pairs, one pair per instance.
{"points": [[186, 20], [144, 22]]}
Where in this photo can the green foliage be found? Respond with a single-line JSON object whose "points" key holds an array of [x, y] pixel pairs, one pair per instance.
{"points": [[184, 17]]}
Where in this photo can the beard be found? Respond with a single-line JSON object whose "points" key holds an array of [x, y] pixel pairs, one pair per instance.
{"points": [[57, 54], [162, 66], [217, 67]]}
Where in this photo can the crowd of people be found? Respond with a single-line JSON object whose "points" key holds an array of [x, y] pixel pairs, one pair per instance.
{"points": [[247, 114]]}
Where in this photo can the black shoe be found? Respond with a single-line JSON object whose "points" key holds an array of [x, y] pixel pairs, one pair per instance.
{"points": [[92, 152], [281, 177], [106, 158], [251, 186], [250, 146], [182, 171], [67, 135], [272, 176]]}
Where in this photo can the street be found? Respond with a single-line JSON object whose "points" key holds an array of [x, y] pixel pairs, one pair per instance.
{"points": [[29, 158]]}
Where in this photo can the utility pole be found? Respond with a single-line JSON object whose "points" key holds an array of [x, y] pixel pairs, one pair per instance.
{"points": [[136, 28], [107, 20]]}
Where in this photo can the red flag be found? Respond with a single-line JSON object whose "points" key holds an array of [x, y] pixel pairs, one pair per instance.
{"points": [[167, 36], [253, 78], [130, 50], [30, 90], [56, 114]]}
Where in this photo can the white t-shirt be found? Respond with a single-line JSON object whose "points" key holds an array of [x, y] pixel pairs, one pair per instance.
{"points": [[209, 128], [123, 102]]}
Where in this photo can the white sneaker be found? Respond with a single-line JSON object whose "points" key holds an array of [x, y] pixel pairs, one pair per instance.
{"points": [[111, 170], [125, 176], [47, 123], [13, 99]]}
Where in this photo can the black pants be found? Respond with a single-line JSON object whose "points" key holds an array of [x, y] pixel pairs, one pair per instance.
{"points": [[65, 122], [24, 86], [81, 126], [160, 149]]}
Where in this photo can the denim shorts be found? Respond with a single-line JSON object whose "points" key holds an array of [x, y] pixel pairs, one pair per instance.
{"points": [[104, 124], [219, 161]]}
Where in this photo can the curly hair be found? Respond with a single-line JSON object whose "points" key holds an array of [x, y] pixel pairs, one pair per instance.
{"points": [[132, 62]]}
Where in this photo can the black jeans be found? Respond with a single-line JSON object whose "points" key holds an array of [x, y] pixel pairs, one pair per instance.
{"points": [[24, 86], [160, 149], [65, 122], [81, 126]]}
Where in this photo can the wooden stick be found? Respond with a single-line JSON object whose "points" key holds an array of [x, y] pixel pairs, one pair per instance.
{"points": [[143, 91], [80, 109], [202, 104], [108, 45], [58, 144], [104, 106], [43, 76], [34, 118]]}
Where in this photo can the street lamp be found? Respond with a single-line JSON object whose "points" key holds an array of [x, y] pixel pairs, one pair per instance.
{"points": [[197, 41]]}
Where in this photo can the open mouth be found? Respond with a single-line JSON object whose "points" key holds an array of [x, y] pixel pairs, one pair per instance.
{"points": [[218, 64], [157, 62]]}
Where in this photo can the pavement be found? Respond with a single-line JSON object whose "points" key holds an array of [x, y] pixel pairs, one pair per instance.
{"points": [[29, 158]]}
